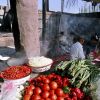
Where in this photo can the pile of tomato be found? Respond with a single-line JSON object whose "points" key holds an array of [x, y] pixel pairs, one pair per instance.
{"points": [[15, 72], [52, 87]]}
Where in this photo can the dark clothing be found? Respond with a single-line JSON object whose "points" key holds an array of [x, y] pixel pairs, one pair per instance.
{"points": [[15, 27]]}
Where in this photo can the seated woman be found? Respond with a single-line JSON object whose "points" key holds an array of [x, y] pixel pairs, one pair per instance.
{"points": [[96, 53]]}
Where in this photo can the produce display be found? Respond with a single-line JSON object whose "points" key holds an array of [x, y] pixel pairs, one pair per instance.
{"points": [[52, 87], [15, 72], [67, 80]]}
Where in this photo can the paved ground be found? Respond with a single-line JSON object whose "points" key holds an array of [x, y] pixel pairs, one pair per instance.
{"points": [[5, 53], [6, 48]]}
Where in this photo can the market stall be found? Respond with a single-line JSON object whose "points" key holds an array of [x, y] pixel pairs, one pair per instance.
{"points": [[41, 79]]}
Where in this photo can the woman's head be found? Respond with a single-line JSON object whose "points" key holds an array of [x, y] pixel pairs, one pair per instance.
{"points": [[94, 40]]}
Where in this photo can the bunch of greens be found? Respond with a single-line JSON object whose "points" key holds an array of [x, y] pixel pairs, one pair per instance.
{"points": [[81, 72]]}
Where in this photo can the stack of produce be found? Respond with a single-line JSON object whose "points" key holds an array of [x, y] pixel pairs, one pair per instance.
{"points": [[15, 72], [81, 72], [52, 87], [69, 80]]}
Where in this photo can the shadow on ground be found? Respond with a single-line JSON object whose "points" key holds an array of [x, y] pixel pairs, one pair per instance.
{"points": [[5, 52]]}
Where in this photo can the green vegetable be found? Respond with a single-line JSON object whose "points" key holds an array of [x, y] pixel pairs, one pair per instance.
{"points": [[66, 89], [80, 72]]}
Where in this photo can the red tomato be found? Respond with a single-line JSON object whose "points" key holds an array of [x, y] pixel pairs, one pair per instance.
{"points": [[41, 84], [43, 77], [59, 92], [45, 94], [74, 98], [45, 87], [28, 91], [36, 97], [51, 92], [53, 97], [77, 90], [53, 85], [38, 78], [79, 93], [66, 82], [48, 99], [68, 98], [74, 93], [50, 76], [37, 90], [46, 81], [32, 86], [60, 98], [66, 95], [26, 97]]}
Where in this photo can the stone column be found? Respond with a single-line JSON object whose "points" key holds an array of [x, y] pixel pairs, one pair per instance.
{"points": [[27, 12]]}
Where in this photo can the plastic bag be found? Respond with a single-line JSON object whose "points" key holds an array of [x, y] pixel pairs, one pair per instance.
{"points": [[10, 92]]}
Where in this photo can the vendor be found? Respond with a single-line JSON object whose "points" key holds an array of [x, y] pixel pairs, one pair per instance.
{"points": [[96, 52], [76, 50], [94, 42]]}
